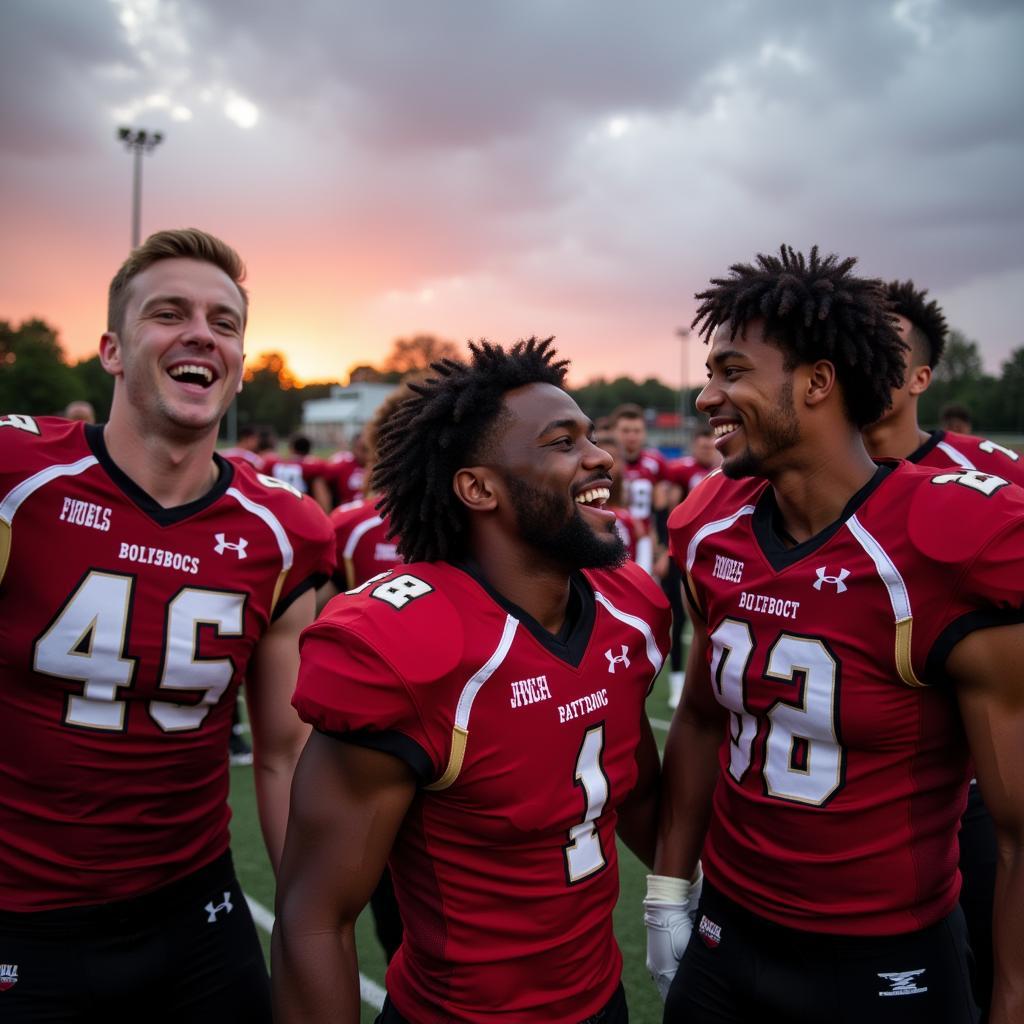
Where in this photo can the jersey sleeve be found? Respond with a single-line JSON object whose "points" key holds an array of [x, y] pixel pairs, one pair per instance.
{"points": [[349, 690], [683, 523], [313, 547]]}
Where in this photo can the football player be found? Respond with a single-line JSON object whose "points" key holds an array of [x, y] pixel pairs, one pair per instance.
{"points": [[142, 578], [478, 719], [898, 435], [859, 631]]}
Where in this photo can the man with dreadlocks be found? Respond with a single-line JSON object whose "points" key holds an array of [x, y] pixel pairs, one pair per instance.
{"points": [[899, 435], [854, 623], [478, 719]]}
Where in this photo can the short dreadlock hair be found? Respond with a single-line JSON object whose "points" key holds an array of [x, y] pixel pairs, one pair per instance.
{"points": [[447, 424], [814, 308], [927, 321]]}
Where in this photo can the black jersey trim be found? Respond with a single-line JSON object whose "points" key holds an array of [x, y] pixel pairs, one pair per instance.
{"points": [[312, 582], [773, 546], [152, 508], [391, 742], [919, 453], [571, 641], [935, 665]]}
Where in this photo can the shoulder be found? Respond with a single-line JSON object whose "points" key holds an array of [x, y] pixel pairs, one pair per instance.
{"points": [[653, 461], [352, 513], [717, 498], [630, 588], [986, 455], [300, 516], [411, 618], [31, 444], [949, 515]]}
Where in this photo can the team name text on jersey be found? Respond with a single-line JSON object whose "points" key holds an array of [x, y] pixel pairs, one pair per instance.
{"points": [[583, 706], [769, 605], [85, 513], [146, 555], [529, 691]]}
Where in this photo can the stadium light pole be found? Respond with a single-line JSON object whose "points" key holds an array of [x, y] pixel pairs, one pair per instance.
{"points": [[138, 141], [683, 334]]}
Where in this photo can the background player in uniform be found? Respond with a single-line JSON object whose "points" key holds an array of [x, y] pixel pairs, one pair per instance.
{"points": [[898, 435], [142, 577], [643, 469], [479, 719], [624, 522], [854, 622]]}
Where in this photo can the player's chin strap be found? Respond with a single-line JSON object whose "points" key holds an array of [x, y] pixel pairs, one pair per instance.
{"points": [[670, 911]]}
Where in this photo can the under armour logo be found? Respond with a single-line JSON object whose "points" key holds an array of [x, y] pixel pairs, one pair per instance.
{"points": [[213, 911], [223, 544], [619, 659], [903, 983], [836, 581]]}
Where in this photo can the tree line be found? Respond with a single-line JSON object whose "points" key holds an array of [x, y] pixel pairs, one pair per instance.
{"points": [[37, 379]]}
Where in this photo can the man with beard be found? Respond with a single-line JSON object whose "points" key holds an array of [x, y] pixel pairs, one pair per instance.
{"points": [[478, 719], [859, 630]]}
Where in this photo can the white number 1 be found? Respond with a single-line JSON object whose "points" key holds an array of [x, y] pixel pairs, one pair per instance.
{"points": [[583, 853]]}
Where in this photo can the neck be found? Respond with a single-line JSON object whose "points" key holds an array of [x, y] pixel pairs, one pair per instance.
{"points": [[895, 437], [812, 494], [172, 471], [520, 575]]}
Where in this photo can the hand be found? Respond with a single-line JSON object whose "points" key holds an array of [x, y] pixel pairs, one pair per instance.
{"points": [[670, 911]]}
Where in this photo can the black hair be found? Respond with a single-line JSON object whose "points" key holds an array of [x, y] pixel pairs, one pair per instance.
{"points": [[446, 424], [926, 318], [301, 445], [814, 308]]}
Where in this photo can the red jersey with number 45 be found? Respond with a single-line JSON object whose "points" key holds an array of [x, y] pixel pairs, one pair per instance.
{"points": [[525, 743], [125, 630], [844, 766], [964, 451]]}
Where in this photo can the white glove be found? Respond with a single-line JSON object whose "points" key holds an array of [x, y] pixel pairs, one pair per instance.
{"points": [[670, 912]]}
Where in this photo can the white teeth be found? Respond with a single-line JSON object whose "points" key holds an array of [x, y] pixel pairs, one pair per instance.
{"points": [[185, 368], [725, 428], [597, 495]]}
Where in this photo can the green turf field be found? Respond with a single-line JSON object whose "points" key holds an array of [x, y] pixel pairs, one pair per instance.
{"points": [[254, 873]]}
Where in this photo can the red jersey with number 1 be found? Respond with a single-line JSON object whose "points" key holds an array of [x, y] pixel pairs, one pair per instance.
{"points": [[125, 630], [843, 761], [525, 743]]}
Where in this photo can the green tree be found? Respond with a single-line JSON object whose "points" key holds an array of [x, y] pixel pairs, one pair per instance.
{"points": [[961, 360], [1009, 394], [599, 397], [95, 385], [34, 378], [269, 395], [410, 355]]}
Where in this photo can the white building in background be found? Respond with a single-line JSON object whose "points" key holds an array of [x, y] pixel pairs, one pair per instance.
{"points": [[334, 422]]}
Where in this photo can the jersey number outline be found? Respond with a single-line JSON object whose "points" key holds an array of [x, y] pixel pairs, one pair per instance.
{"points": [[804, 761], [86, 643], [583, 854]]}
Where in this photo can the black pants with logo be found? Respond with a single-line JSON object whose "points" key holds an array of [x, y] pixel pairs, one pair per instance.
{"points": [[185, 954], [749, 969]]}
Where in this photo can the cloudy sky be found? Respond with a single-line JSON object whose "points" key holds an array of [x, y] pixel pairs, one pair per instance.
{"points": [[503, 168]]}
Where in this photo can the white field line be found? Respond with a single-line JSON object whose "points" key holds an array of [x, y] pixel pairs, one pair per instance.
{"points": [[369, 991]]}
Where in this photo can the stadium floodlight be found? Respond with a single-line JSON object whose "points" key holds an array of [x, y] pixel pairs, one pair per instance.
{"points": [[138, 141]]}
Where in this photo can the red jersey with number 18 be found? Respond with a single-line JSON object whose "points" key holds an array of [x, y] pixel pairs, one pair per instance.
{"points": [[843, 763], [525, 744], [125, 630]]}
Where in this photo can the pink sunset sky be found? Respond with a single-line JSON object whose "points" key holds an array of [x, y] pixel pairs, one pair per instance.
{"points": [[496, 169]]}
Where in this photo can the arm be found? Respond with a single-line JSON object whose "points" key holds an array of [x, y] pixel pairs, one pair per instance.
{"points": [[987, 668], [320, 491], [347, 805], [278, 733], [638, 813], [690, 769]]}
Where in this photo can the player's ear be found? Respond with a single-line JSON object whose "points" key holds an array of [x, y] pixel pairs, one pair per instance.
{"points": [[820, 382], [920, 379], [110, 353], [476, 488]]}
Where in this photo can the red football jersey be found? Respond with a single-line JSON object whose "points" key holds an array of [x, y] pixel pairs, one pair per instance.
{"points": [[639, 478], [505, 867], [295, 471], [686, 472], [626, 528], [363, 547], [844, 765], [345, 476], [244, 455], [964, 451], [125, 630]]}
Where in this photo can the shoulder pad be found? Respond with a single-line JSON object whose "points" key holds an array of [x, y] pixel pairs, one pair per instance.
{"points": [[406, 616]]}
